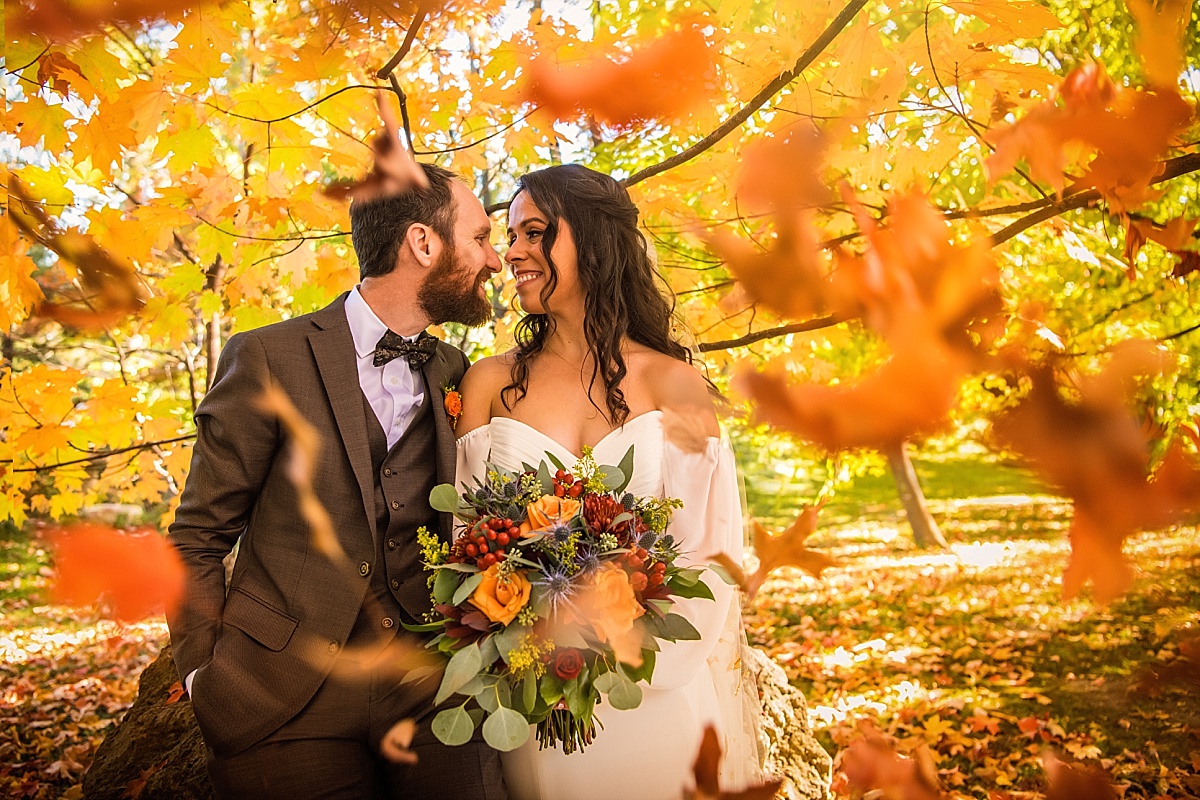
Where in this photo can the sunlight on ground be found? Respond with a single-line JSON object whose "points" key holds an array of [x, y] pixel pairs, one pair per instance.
{"points": [[52, 641]]}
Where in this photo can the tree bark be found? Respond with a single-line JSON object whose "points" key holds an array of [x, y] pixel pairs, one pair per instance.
{"points": [[925, 529], [212, 325]]}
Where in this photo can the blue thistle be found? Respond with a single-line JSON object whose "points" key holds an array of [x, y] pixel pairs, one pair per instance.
{"points": [[560, 533], [587, 560], [556, 584]]}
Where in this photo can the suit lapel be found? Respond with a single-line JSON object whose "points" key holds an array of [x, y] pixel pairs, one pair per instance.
{"points": [[333, 347], [437, 377]]}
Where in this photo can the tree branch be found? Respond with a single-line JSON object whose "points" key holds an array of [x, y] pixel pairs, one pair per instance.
{"points": [[100, 456], [758, 101], [406, 45], [771, 333]]}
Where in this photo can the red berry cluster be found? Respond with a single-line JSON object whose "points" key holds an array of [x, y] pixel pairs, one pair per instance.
{"points": [[484, 543], [565, 485], [643, 572]]}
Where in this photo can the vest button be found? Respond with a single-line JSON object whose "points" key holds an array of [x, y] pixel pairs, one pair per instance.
{"points": [[395, 504], [333, 647], [364, 569], [387, 472], [388, 622], [395, 583], [391, 544]]}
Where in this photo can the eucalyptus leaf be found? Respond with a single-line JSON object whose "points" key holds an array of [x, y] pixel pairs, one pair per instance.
{"points": [[509, 639], [529, 691], [419, 674], [487, 650], [677, 629], [723, 574], [554, 460], [459, 567], [605, 683], [625, 694], [612, 478], [444, 498], [466, 588], [453, 726], [444, 584], [697, 589], [505, 729], [626, 468], [464, 665], [488, 700]]}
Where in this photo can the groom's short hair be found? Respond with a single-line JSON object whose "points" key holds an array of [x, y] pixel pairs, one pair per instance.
{"points": [[379, 225]]}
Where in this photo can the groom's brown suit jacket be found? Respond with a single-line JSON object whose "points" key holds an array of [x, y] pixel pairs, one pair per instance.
{"points": [[263, 649]]}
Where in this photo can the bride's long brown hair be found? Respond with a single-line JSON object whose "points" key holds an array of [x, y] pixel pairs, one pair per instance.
{"points": [[624, 296]]}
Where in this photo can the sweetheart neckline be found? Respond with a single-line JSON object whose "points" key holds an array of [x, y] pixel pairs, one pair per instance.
{"points": [[566, 449]]}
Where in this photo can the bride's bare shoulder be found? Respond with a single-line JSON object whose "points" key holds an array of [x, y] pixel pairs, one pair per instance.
{"points": [[480, 390], [677, 385]]}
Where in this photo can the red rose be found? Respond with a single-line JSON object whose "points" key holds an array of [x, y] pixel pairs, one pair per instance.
{"points": [[568, 662]]}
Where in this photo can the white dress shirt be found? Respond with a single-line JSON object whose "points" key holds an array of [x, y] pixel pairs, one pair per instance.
{"points": [[395, 390]]}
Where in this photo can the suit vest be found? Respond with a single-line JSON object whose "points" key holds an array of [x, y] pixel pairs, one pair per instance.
{"points": [[404, 476]]}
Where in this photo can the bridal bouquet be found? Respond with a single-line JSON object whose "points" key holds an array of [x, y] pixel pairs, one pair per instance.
{"points": [[554, 596]]}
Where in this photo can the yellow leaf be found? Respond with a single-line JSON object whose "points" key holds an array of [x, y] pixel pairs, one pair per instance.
{"points": [[37, 121]]}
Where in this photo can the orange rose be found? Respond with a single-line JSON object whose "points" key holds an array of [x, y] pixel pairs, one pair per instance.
{"points": [[548, 509], [501, 598], [611, 604], [453, 404]]}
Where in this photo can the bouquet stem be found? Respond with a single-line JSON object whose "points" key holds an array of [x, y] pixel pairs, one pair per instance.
{"points": [[563, 726]]}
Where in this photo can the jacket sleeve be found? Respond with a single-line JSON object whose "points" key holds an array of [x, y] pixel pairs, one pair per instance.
{"points": [[235, 446]]}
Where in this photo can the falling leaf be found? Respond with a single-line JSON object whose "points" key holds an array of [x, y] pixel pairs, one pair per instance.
{"points": [[137, 574], [1161, 27], [871, 764], [395, 171], [686, 428], [114, 286], [1097, 450], [304, 451], [708, 786], [1189, 262], [1076, 782], [789, 278], [783, 171], [396, 742], [660, 80], [65, 19], [787, 549]]}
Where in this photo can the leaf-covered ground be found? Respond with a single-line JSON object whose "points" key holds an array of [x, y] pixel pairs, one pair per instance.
{"points": [[971, 654], [66, 676], [974, 654]]}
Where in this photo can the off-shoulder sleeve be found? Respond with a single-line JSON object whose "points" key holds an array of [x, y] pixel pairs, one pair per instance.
{"points": [[474, 449], [709, 523]]}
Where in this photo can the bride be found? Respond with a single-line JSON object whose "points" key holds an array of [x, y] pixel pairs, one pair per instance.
{"points": [[596, 365]]}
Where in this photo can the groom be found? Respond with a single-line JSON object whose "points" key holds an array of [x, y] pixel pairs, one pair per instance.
{"points": [[266, 661]]}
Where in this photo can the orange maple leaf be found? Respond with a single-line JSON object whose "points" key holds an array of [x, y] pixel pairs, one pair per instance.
{"points": [[787, 549], [1098, 451], [659, 80], [138, 573], [872, 764], [1076, 782], [395, 171], [708, 785]]}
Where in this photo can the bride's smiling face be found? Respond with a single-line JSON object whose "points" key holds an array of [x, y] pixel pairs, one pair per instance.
{"points": [[527, 225]]}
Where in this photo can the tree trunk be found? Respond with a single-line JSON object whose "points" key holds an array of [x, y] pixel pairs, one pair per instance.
{"points": [[212, 325], [925, 529]]}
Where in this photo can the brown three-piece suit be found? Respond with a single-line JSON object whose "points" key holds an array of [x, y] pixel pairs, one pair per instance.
{"points": [[277, 716]]}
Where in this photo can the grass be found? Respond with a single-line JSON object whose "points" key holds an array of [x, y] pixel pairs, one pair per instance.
{"points": [[974, 654]]}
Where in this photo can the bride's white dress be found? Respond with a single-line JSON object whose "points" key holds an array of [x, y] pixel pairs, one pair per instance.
{"points": [[647, 753]]}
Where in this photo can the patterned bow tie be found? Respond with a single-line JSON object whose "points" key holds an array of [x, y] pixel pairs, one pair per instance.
{"points": [[393, 345]]}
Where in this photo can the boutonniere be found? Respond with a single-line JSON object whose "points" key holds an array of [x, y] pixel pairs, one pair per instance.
{"points": [[452, 402]]}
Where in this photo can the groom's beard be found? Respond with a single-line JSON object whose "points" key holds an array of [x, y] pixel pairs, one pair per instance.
{"points": [[448, 296]]}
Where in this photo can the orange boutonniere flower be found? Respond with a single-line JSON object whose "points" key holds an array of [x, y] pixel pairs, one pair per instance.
{"points": [[452, 401]]}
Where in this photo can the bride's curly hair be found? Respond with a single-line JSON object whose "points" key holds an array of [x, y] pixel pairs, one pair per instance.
{"points": [[624, 296]]}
